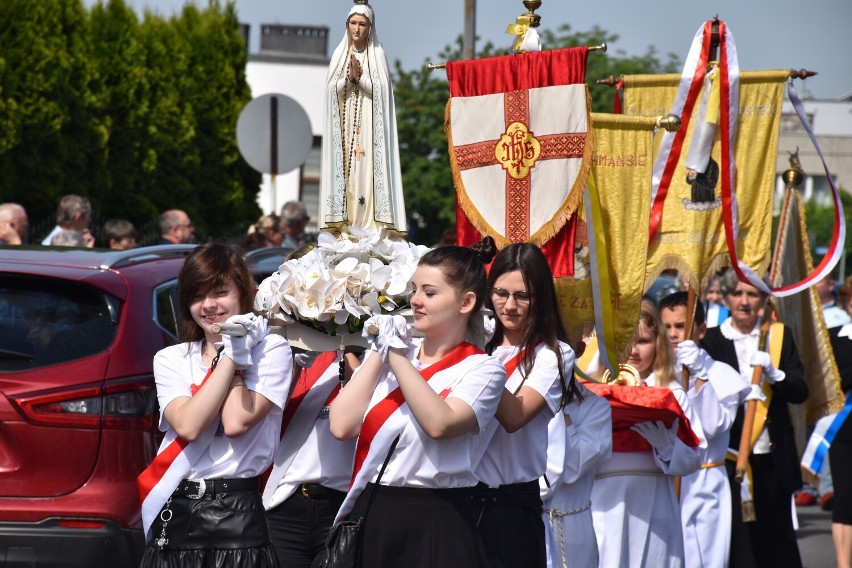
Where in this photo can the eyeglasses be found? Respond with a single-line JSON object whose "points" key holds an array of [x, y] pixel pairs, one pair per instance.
{"points": [[521, 296]]}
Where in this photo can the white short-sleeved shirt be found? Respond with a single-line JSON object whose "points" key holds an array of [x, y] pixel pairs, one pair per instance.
{"points": [[420, 461], [322, 458], [248, 455], [522, 456]]}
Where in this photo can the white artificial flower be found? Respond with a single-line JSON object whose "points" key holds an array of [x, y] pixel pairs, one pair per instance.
{"points": [[343, 279]]}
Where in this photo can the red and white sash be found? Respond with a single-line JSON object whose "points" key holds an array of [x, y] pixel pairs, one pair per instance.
{"points": [[169, 467], [513, 383], [316, 389], [384, 421]]}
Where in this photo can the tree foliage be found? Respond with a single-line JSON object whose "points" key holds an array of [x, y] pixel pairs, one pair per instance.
{"points": [[137, 115], [820, 222], [421, 97]]}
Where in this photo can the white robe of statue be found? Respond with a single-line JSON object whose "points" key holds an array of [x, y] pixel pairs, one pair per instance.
{"points": [[361, 179]]}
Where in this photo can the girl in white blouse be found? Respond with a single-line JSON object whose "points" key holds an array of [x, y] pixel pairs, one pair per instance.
{"points": [[436, 396], [530, 340]]}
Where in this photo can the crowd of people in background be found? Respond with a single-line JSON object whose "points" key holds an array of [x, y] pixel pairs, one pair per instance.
{"points": [[74, 228]]}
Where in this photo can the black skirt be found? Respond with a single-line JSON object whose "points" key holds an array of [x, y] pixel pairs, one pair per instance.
{"points": [[418, 528], [221, 529]]}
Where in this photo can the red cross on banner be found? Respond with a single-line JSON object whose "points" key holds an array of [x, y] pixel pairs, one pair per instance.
{"points": [[519, 143], [518, 151]]}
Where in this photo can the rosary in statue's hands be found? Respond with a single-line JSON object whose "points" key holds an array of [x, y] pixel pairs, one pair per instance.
{"points": [[354, 69]]}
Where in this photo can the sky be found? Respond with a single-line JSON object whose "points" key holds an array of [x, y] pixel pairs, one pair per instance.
{"points": [[769, 34]]}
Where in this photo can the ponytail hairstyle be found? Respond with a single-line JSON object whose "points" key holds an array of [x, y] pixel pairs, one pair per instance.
{"points": [[542, 320], [464, 270]]}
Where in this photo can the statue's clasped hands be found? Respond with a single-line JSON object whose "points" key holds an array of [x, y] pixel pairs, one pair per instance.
{"points": [[354, 69]]}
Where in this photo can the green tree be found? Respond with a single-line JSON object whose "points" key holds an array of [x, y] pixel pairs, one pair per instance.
{"points": [[820, 224], [138, 116], [50, 135], [421, 96]]}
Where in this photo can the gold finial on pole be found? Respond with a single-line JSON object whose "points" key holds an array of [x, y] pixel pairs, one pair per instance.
{"points": [[801, 73], [670, 122], [532, 6], [794, 175]]}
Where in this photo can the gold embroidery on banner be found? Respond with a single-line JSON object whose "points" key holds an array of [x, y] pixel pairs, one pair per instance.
{"points": [[517, 150]]}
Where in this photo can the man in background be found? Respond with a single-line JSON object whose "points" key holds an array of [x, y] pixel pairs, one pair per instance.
{"points": [[176, 228], [294, 218], [14, 224]]}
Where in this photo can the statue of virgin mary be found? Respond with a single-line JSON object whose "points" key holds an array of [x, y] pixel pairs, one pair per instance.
{"points": [[361, 180]]}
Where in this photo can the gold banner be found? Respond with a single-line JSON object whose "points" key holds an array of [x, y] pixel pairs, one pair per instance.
{"points": [[803, 313], [691, 237], [621, 166]]}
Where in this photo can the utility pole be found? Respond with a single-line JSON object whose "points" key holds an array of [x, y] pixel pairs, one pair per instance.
{"points": [[469, 39]]}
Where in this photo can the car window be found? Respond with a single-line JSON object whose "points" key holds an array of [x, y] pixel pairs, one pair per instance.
{"points": [[166, 307], [45, 321]]}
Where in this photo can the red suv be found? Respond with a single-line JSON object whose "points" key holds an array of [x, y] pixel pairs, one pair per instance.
{"points": [[78, 409]]}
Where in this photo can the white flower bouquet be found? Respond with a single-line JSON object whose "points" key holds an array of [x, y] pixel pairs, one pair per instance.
{"points": [[341, 281]]}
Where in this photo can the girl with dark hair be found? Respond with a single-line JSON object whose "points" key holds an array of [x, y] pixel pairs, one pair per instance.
{"points": [[436, 397], [221, 400], [531, 342]]}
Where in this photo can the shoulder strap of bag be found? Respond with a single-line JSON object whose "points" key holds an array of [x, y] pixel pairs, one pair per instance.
{"points": [[379, 478]]}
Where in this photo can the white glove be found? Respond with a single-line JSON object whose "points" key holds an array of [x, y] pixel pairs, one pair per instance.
{"points": [[238, 349], [755, 393], [490, 327], [305, 359], [689, 356], [391, 331], [660, 437], [762, 359]]}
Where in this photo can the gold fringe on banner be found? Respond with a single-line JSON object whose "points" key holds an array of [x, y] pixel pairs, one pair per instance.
{"points": [[547, 230]]}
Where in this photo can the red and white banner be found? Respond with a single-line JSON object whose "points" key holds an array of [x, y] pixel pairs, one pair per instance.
{"points": [[519, 143]]}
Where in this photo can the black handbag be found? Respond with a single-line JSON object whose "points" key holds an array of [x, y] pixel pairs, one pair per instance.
{"points": [[343, 545]]}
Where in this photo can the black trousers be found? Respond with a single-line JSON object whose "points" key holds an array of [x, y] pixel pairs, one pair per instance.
{"points": [[299, 526], [770, 541], [510, 525]]}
